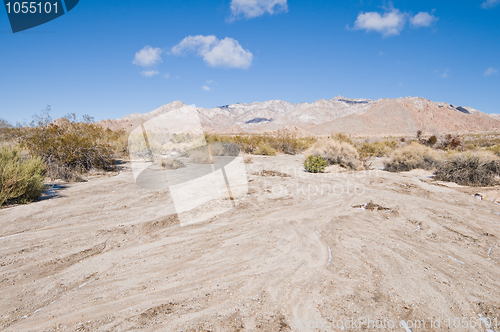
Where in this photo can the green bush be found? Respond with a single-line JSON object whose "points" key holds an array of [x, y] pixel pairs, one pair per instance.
{"points": [[432, 140], [314, 164], [469, 169], [21, 179]]}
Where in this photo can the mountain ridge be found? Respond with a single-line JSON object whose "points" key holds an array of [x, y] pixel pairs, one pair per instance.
{"points": [[400, 116]]}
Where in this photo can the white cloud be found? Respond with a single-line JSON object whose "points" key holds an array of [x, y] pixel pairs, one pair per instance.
{"points": [[205, 88], [217, 53], [389, 23], [149, 73], [490, 71], [255, 8], [148, 56], [167, 75], [423, 19], [490, 4]]}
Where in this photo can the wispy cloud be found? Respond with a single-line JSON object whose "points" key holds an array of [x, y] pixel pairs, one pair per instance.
{"points": [[423, 19], [490, 71], [388, 24], [216, 53], [167, 75], [255, 8], [490, 4], [148, 56], [443, 73], [150, 73], [205, 88]]}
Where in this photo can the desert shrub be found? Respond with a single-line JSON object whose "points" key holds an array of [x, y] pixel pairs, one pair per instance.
{"points": [[432, 140], [70, 148], [224, 149], [336, 152], [479, 169], [172, 164], [247, 159], [21, 179], [265, 149], [452, 142], [414, 155], [282, 141], [377, 149], [200, 156], [314, 164], [495, 149], [341, 137]]}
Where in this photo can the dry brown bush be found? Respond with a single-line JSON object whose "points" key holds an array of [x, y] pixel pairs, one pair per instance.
{"points": [[414, 155], [336, 152], [470, 169]]}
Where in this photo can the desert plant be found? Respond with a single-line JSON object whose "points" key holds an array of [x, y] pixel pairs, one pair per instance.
{"points": [[469, 169], [265, 149], [495, 149], [432, 140], [414, 155], [336, 152], [452, 142], [21, 179], [70, 148], [314, 164], [200, 156], [282, 141], [377, 149]]}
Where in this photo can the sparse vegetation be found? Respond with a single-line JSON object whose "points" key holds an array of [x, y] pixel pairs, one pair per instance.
{"points": [[470, 169], [336, 152], [377, 149], [265, 149], [314, 164], [21, 178], [414, 155], [69, 148], [282, 141]]}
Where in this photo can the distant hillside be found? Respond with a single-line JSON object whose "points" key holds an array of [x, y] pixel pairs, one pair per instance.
{"points": [[400, 116]]}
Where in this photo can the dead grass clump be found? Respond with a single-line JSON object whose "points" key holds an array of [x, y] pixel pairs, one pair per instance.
{"points": [[470, 169], [172, 164], [412, 156], [371, 207], [247, 159], [335, 152], [271, 173], [199, 156]]}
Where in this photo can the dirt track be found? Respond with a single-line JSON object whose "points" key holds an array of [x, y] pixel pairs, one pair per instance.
{"points": [[107, 255]]}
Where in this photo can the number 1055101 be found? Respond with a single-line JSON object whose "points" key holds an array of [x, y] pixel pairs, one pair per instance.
{"points": [[31, 7]]}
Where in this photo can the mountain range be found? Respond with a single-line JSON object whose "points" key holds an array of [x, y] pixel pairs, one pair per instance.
{"points": [[402, 116]]}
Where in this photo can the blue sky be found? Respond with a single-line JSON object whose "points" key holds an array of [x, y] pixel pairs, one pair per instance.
{"points": [[116, 57]]}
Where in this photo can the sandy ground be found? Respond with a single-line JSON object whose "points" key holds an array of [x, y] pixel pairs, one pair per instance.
{"points": [[300, 253]]}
